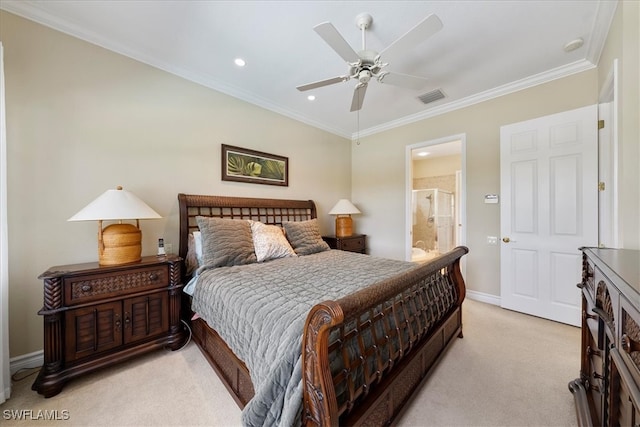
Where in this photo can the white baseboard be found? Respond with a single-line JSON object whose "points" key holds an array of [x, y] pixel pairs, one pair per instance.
{"points": [[26, 361], [482, 297]]}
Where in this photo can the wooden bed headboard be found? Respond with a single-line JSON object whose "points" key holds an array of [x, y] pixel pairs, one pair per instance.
{"points": [[268, 211]]}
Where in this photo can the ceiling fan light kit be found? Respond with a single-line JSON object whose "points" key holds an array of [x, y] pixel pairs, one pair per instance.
{"points": [[367, 64]]}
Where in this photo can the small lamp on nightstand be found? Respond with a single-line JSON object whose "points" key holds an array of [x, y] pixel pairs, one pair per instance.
{"points": [[343, 211], [117, 243]]}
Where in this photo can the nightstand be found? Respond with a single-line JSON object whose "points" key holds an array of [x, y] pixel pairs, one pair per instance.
{"points": [[353, 243], [95, 316]]}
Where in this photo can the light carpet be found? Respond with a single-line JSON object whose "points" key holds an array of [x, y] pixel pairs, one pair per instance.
{"points": [[510, 369]]}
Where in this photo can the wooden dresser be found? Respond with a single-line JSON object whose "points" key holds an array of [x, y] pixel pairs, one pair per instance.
{"points": [[608, 390], [95, 316]]}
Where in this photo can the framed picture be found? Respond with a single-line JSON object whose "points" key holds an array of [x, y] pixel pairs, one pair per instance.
{"points": [[244, 165]]}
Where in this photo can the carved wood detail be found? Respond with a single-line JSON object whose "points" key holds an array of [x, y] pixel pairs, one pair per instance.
{"points": [[52, 293], [603, 301], [320, 400], [118, 283]]}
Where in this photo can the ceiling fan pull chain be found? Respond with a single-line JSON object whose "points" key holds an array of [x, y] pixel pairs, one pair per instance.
{"points": [[358, 127]]}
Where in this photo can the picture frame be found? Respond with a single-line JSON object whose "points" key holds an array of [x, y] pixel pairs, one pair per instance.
{"points": [[255, 167]]}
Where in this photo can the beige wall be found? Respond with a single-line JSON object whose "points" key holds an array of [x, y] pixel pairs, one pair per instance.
{"points": [[443, 165], [81, 120], [378, 167]]}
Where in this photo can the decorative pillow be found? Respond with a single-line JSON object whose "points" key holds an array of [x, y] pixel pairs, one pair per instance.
{"points": [[304, 236], [197, 239], [191, 261], [225, 242], [269, 242], [194, 252]]}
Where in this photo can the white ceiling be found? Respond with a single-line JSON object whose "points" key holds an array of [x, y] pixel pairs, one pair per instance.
{"points": [[485, 49]]}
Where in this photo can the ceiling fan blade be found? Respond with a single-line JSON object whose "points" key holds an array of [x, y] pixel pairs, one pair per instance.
{"points": [[329, 34], [358, 96], [404, 80], [322, 83], [422, 31]]}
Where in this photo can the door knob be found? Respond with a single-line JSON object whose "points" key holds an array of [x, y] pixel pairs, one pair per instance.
{"points": [[506, 239]]}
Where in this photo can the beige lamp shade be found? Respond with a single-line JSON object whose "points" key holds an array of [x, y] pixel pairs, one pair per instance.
{"points": [[117, 243], [343, 211]]}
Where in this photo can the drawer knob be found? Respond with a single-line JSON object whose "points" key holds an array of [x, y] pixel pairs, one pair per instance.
{"points": [[86, 288], [153, 277]]}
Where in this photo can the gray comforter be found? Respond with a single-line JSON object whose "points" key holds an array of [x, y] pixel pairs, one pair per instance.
{"points": [[260, 310]]}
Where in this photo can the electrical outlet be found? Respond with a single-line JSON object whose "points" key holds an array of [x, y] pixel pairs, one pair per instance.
{"points": [[492, 240]]}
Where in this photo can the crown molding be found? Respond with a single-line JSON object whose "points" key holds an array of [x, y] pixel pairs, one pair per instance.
{"points": [[32, 12], [535, 80], [601, 25], [602, 22]]}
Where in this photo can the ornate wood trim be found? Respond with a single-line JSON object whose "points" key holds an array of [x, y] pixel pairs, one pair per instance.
{"points": [[319, 399]]}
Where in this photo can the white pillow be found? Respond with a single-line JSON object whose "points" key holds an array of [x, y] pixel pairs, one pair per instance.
{"points": [[194, 252], [197, 238], [269, 242]]}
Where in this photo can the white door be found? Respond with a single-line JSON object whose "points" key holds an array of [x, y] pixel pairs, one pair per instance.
{"points": [[549, 209]]}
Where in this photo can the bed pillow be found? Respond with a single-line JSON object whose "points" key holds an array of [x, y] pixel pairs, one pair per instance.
{"points": [[191, 260], [269, 242], [225, 242], [194, 252], [304, 236]]}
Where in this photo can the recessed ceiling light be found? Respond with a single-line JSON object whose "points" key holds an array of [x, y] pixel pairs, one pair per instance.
{"points": [[311, 97], [423, 153], [573, 45], [240, 62]]}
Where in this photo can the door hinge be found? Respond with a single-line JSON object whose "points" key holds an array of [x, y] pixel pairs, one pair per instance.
{"points": [[600, 124], [601, 186]]}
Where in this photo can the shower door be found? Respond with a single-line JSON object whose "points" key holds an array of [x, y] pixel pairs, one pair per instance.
{"points": [[433, 220]]}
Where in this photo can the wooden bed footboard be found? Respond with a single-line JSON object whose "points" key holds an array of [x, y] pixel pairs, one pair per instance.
{"points": [[365, 354]]}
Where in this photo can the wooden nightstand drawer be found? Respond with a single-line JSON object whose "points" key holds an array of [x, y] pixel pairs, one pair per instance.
{"points": [[353, 245], [93, 287]]}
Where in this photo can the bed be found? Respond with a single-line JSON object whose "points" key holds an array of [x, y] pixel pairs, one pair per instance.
{"points": [[348, 348]]}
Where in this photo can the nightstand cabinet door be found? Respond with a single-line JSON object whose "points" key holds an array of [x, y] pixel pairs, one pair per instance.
{"points": [[92, 330], [145, 317]]}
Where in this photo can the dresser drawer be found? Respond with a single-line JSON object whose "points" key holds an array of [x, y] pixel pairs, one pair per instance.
{"points": [[82, 289]]}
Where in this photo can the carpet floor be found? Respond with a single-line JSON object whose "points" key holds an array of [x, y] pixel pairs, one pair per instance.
{"points": [[510, 369]]}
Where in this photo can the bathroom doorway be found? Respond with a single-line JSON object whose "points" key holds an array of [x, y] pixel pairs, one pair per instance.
{"points": [[435, 197]]}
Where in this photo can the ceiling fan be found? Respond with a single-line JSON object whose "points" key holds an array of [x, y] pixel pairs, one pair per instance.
{"points": [[367, 64]]}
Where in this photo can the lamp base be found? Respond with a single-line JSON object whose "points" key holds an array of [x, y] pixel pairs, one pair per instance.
{"points": [[344, 226], [120, 244]]}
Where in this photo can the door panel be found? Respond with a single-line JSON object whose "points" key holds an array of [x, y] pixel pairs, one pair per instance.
{"points": [[93, 329], [145, 316], [548, 179]]}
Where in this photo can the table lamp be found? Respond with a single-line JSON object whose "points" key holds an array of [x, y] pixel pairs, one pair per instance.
{"points": [[343, 211], [117, 243]]}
